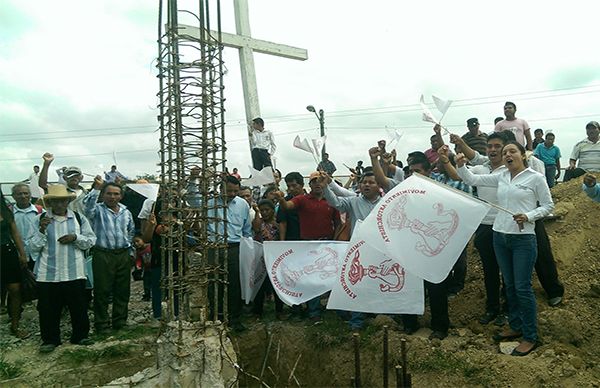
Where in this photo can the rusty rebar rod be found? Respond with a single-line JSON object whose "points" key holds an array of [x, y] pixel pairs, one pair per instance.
{"points": [[356, 340], [385, 356]]}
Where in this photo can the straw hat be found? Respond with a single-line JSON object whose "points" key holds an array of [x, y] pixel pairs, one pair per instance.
{"points": [[58, 192]]}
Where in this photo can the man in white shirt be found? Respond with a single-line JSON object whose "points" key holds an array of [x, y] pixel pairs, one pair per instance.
{"points": [[263, 144], [34, 187], [26, 217], [587, 152], [60, 242]]}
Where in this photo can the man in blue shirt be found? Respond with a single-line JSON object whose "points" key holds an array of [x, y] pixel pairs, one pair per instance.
{"points": [[548, 153], [238, 226], [114, 228]]}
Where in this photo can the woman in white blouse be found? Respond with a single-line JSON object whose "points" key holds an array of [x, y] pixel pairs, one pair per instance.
{"points": [[520, 189]]}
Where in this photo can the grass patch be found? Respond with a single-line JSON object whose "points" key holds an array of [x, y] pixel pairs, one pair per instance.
{"points": [[80, 355], [9, 370], [439, 361], [330, 332]]}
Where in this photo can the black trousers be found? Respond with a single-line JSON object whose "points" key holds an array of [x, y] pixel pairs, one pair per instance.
{"points": [[259, 300], [260, 158], [491, 272], [51, 300], [545, 266], [218, 280], [572, 174], [438, 304], [456, 283]]}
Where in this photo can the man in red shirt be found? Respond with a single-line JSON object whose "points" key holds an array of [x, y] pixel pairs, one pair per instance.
{"points": [[318, 221]]}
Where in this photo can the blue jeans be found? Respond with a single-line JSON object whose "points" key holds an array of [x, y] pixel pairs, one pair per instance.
{"points": [[551, 175], [516, 255]]}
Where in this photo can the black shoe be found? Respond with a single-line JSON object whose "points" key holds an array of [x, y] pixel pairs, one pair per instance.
{"points": [[553, 302], [411, 329], [487, 318], [517, 353], [146, 298], [501, 320], [438, 335]]}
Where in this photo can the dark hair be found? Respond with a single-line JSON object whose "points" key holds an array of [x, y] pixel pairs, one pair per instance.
{"points": [[359, 162], [242, 188], [294, 177], [498, 119], [7, 214], [550, 134], [368, 169], [278, 172], [266, 202], [521, 150], [540, 130], [419, 160], [259, 121], [497, 135], [233, 180], [114, 165], [109, 184], [508, 135], [511, 103], [433, 137], [366, 174], [269, 190]]}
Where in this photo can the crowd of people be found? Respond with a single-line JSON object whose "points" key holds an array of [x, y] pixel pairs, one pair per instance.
{"points": [[54, 229]]}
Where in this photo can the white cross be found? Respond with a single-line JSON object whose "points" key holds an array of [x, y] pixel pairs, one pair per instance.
{"points": [[246, 45]]}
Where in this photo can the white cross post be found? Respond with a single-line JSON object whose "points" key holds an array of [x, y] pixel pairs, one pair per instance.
{"points": [[245, 44]]}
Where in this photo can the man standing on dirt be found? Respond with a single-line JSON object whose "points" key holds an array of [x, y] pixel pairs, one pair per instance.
{"points": [[587, 152], [114, 228], [318, 221], [517, 126], [60, 242]]}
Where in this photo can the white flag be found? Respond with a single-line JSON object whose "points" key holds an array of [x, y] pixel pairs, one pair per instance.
{"points": [[259, 178], [442, 105], [252, 268], [318, 146], [303, 270], [302, 144], [394, 135], [148, 190], [423, 225], [372, 282], [427, 115]]}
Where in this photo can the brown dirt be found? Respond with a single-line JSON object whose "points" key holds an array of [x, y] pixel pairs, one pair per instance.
{"points": [[324, 353], [569, 356]]}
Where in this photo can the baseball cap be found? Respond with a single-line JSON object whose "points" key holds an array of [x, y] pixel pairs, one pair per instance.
{"points": [[472, 122], [593, 124], [72, 171]]}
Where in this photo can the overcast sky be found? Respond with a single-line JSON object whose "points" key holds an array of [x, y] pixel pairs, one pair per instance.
{"points": [[78, 78]]}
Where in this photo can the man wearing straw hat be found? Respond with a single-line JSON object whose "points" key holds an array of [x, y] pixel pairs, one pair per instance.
{"points": [[114, 228], [59, 243]]}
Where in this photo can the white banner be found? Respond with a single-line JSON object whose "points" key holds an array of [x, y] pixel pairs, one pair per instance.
{"points": [[252, 268], [372, 282], [259, 178], [302, 270], [148, 190], [423, 225]]}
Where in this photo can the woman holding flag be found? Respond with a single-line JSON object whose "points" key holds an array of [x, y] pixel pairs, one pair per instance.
{"points": [[520, 189]]}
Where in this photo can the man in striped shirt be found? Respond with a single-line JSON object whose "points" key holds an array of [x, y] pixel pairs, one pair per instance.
{"points": [[587, 152], [114, 228], [59, 244]]}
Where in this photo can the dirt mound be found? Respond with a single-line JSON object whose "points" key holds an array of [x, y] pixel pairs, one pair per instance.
{"points": [[468, 357], [296, 353]]}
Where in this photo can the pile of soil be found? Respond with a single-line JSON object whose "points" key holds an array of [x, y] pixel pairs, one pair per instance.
{"points": [[297, 353], [468, 357]]}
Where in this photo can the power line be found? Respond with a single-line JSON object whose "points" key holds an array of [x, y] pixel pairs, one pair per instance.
{"points": [[354, 112]]}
